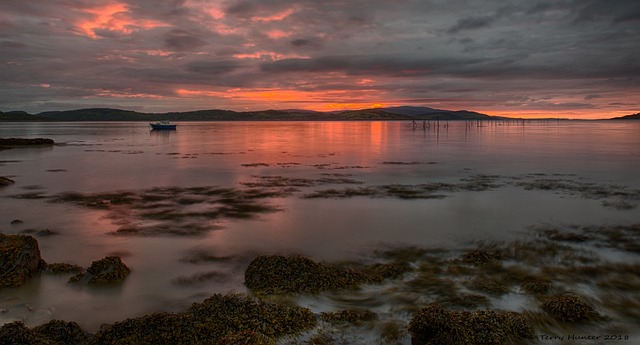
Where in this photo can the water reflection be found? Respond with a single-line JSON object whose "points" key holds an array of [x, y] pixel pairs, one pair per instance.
{"points": [[99, 158]]}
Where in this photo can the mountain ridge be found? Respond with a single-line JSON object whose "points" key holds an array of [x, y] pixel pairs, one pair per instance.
{"points": [[112, 114], [628, 117], [386, 113]]}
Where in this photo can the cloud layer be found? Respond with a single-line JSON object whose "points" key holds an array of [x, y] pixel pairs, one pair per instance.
{"points": [[575, 58]]}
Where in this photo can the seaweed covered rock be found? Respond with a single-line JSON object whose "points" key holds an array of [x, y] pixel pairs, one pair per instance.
{"points": [[221, 317], [106, 271], [61, 332], [569, 308], [17, 333], [19, 259], [224, 314], [437, 325], [274, 274]]}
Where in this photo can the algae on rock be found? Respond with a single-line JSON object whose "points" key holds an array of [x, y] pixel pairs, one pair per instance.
{"points": [[19, 259]]}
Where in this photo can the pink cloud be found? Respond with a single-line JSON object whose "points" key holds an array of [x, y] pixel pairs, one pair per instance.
{"points": [[113, 17]]}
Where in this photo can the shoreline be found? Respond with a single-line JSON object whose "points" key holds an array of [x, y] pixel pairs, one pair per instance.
{"points": [[550, 268]]}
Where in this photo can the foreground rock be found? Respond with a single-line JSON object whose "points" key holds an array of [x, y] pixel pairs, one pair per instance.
{"points": [[106, 271], [217, 320], [437, 325], [19, 259]]}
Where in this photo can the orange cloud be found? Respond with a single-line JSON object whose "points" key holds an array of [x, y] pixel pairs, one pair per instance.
{"points": [[311, 100], [275, 34], [274, 17], [114, 17]]}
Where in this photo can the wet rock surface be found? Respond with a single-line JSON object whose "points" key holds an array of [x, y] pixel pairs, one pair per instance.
{"points": [[19, 259]]}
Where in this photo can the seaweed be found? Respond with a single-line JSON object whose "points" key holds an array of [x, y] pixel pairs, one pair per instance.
{"points": [[348, 316], [436, 325]]}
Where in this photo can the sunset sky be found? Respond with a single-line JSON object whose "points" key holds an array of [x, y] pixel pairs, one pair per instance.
{"points": [[525, 58]]}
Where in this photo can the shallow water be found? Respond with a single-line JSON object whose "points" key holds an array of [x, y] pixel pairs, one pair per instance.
{"points": [[99, 158]]}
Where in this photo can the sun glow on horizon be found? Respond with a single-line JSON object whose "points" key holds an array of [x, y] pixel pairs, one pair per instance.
{"points": [[338, 100]]}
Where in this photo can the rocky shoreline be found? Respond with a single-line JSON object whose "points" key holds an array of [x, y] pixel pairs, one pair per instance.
{"points": [[447, 298]]}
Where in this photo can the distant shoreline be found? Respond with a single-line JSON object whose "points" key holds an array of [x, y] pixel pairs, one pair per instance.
{"points": [[376, 114]]}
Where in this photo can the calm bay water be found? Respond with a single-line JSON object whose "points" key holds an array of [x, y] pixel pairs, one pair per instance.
{"points": [[117, 157]]}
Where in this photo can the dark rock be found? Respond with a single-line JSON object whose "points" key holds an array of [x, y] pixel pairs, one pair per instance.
{"points": [[19, 259], [16, 221], [106, 271], [437, 325]]}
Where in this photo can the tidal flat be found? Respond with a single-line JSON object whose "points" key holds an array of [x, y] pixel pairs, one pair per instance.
{"points": [[380, 229]]}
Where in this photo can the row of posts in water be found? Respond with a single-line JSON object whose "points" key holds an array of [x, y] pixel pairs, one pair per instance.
{"points": [[435, 124]]}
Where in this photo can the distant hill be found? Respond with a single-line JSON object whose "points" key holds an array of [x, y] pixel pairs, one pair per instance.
{"points": [[21, 116], [628, 117], [426, 113], [108, 114], [105, 114]]}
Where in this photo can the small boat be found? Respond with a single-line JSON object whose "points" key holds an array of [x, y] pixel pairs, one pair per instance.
{"points": [[162, 125]]}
